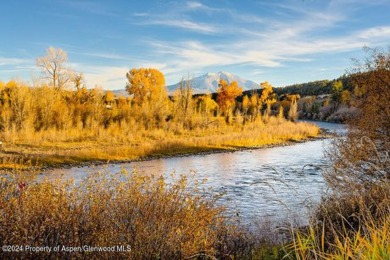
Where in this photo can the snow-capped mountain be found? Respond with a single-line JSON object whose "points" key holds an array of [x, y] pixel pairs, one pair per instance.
{"points": [[208, 83]]}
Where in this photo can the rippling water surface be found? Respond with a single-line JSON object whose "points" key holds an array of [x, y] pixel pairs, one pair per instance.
{"points": [[274, 182]]}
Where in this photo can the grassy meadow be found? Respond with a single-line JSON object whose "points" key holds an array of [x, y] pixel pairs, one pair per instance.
{"points": [[44, 126], [56, 148]]}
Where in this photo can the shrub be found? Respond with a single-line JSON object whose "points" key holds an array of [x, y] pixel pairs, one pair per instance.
{"points": [[157, 220], [352, 222]]}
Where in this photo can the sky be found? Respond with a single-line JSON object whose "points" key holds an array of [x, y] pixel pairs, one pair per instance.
{"points": [[283, 42]]}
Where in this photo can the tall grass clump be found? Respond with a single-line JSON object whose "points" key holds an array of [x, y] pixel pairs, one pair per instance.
{"points": [[150, 218], [352, 222], [347, 227]]}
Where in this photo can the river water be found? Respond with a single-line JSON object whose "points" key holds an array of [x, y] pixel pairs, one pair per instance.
{"points": [[276, 182]]}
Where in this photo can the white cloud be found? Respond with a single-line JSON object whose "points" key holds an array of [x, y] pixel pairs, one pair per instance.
{"points": [[184, 24], [274, 44], [109, 56], [226, 37], [269, 46], [375, 32], [194, 5], [105, 76], [12, 61], [114, 77]]}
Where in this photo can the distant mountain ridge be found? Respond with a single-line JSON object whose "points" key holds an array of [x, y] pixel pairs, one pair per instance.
{"points": [[208, 83], [120, 92]]}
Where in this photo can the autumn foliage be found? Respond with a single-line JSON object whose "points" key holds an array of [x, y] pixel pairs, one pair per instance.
{"points": [[52, 123], [146, 85], [150, 218], [59, 120], [227, 94], [352, 220]]}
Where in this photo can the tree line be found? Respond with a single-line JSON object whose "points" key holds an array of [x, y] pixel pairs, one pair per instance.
{"points": [[62, 101]]}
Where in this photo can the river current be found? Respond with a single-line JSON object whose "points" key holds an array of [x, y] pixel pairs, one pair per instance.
{"points": [[276, 183]]}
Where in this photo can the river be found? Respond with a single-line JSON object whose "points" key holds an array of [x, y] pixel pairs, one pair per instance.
{"points": [[277, 183]]}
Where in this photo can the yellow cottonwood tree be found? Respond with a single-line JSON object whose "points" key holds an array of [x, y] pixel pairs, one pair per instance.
{"points": [[254, 106], [206, 105], [245, 104], [266, 91], [227, 94], [147, 86], [20, 102]]}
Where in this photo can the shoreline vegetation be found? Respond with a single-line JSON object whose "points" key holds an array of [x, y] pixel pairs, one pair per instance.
{"points": [[27, 154], [50, 125]]}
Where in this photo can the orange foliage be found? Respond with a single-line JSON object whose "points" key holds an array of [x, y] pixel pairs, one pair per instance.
{"points": [[227, 94]]}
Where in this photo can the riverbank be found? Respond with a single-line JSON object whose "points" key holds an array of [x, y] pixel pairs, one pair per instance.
{"points": [[50, 151], [183, 154]]}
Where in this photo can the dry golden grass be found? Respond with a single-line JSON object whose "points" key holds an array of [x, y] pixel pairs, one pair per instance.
{"points": [[348, 227], [56, 147], [372, 243], [152, 219]]}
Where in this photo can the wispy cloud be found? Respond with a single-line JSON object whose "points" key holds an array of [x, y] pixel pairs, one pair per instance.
{"points": [[16, 68], [195, 5], [114, 77], [375, 32], [184, 24], [228, 37], [194, 54], [106, 76], [272, 45], [181, 37], [12, 61], [108, 56], [180, 15], [181, 24], [237, 16]]}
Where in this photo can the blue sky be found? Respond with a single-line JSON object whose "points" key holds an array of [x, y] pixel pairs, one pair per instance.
{"points": [[284, 42]]}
